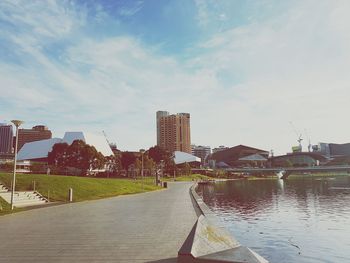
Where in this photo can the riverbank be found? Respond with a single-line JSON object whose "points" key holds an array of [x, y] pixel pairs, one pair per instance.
{"points": [[292, 176], [188, 178]]}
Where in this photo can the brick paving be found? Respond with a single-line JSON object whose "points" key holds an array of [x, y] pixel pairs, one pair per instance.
{"points": [[149, 227]]}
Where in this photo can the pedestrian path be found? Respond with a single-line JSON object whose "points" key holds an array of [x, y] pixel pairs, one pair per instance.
{"points": [[149, 227]]}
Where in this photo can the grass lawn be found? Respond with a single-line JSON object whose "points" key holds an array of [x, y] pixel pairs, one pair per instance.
{"points": [[5, 208], [317, 175], [56, 187], [192, 177]]}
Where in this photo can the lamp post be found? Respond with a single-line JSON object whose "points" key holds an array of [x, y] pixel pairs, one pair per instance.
{"points": [[17, 123], [142, 151]]}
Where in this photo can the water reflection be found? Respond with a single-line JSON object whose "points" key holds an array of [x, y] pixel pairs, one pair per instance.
{"points": [[299, 220]]}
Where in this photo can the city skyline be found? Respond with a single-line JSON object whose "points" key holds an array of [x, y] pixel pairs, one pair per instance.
{"points": [[243, 69]]}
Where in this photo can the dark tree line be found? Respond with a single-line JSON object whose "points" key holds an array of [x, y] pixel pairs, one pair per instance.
{"points": [[153, 158], [84, 157], [78, 155]]}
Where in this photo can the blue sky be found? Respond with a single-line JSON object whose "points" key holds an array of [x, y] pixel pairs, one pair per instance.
{"points": [[243, 69]]}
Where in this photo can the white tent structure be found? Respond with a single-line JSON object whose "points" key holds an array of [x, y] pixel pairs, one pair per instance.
{"points": [[37, 150], [182, 157], [40, 149], [98, 141]]}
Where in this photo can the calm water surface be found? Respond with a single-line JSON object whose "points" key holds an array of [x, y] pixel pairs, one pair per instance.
{"points": [[303, 219]]}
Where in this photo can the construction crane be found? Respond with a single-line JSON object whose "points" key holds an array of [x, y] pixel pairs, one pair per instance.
{"points": [[106, 137], [299, 140], [309, 146]]}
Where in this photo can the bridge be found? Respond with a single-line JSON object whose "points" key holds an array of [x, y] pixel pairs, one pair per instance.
{"points": [[286, 171]]}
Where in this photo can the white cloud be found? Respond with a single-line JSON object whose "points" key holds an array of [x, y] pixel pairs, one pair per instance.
{"points": [[245, 86], [202, 16], [46, 19], [131, 8], [293, 67]]}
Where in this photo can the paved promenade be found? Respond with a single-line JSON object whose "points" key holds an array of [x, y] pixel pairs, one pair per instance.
{"points": [[149, 227]]}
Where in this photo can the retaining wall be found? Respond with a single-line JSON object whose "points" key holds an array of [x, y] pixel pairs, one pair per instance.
{"points": [[210, 242]]}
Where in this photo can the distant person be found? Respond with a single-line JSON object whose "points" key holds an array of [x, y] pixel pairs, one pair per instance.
{"points": [[48, 171]]}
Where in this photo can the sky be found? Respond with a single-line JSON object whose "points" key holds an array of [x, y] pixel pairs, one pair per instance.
{"points": [[249, 72]]}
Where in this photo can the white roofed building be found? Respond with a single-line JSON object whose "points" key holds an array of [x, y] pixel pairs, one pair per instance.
{"points": [[182, 157], [98, 141], [39, 150]]}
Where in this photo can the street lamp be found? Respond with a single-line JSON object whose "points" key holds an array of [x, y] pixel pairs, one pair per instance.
{"points": [[142, 151], [17, 123]]}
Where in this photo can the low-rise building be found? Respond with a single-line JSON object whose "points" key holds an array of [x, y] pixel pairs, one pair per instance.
{"points": [[240, 156], [332, 149], [181, 158], [298, 159]]}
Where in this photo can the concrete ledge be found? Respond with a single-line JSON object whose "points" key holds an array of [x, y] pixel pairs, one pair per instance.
{"points": [[235, 255], [208, 242]]}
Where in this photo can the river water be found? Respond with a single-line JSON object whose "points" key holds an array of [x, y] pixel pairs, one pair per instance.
{"points": [[304, 219]]}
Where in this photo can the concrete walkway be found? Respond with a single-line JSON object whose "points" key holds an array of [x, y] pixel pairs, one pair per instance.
{"points": [[149, 227]]}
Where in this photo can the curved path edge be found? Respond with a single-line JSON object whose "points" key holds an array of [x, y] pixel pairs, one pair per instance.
{"points": [[209, 242]]}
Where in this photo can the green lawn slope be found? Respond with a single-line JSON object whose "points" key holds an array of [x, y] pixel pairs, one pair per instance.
{"points": [[192, 177], [56, 187]]}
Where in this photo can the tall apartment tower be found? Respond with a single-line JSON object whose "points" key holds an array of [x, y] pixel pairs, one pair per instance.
{"points": [[173, 131], [6, 138], [37, 133]]}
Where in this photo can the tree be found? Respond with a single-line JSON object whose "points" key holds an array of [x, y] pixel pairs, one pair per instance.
{"points": [[127, 158], [84, 156], [137, 165], [187, 169], [8, 166], [148, 163], [114, 163], [57, 156], [77, 155], [158, 154]]}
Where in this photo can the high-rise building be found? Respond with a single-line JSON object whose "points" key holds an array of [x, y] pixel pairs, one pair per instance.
{"points": [[173, 131], [201, 151], [37, 133], [6, 138]]}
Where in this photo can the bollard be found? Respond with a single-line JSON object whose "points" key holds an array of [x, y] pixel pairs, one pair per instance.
{"points": [[70, 195], [165, 184]]}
